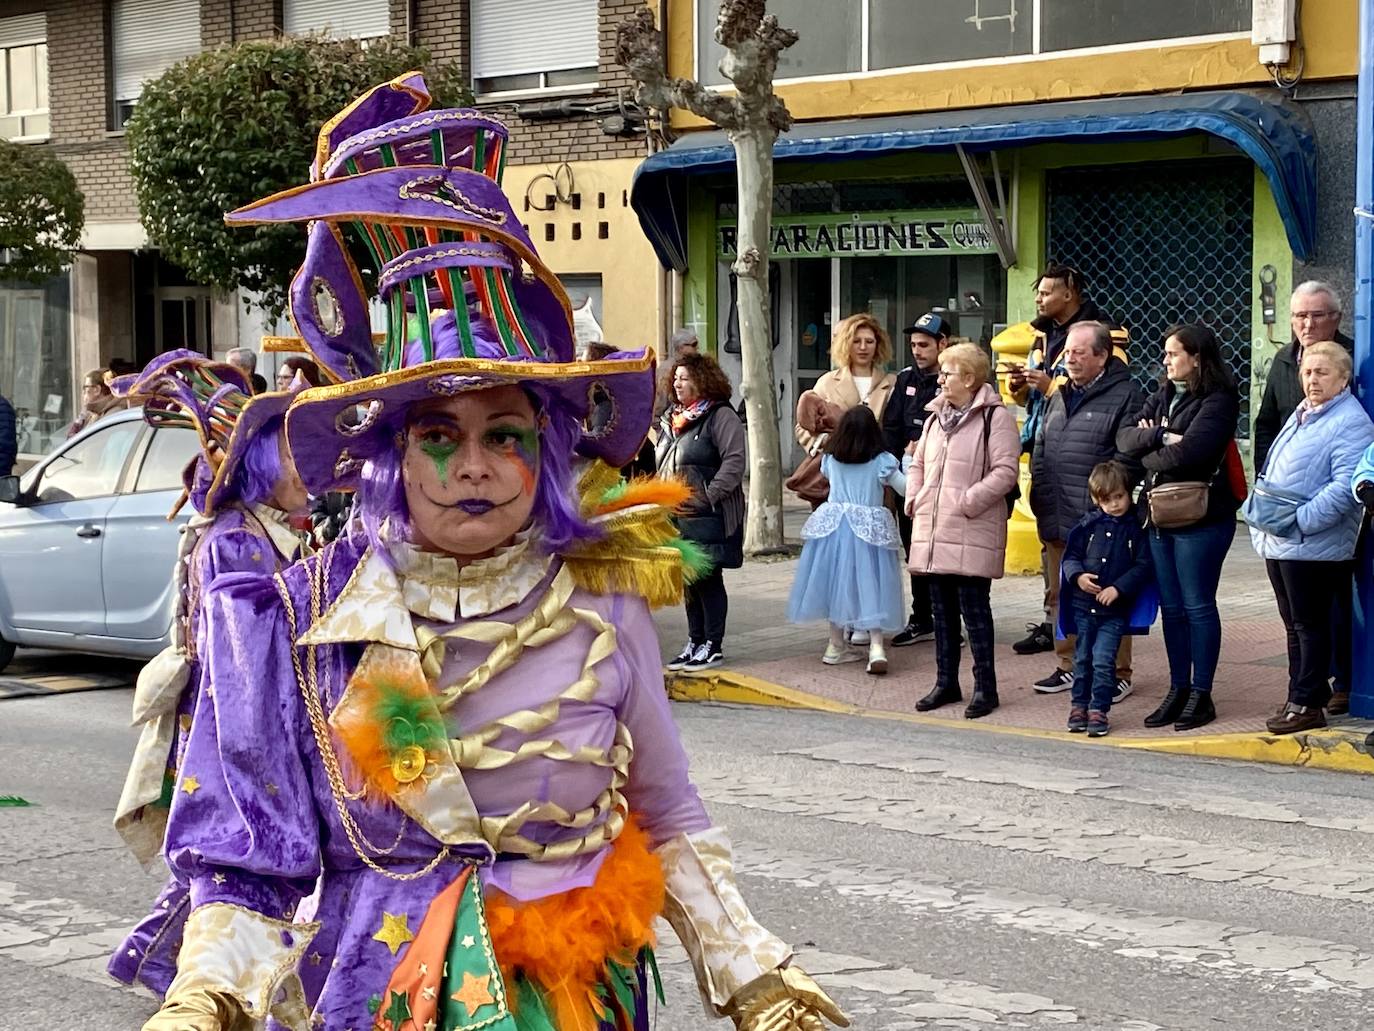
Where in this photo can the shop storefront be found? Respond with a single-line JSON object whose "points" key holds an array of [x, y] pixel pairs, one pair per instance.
{"points": [[1176, 209], [35, 360], [893, 264]]}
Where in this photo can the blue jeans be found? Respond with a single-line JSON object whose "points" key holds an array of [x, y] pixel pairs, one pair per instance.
{"points": [[1094, 658], [1188, 570]]}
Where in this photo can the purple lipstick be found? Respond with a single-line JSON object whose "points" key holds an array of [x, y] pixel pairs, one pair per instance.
{"points": [[474, 506]]}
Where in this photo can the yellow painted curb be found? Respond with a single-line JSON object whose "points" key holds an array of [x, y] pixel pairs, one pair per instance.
{"points": [[1343, 751]]}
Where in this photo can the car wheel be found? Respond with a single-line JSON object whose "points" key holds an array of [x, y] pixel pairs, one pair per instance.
{"points": [[6, 654]]}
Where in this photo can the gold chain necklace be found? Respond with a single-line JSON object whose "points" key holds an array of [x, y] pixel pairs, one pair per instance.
{"points": [[323, 741]]}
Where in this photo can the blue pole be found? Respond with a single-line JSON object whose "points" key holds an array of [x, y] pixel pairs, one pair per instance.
{"points": [[1362, 690]]}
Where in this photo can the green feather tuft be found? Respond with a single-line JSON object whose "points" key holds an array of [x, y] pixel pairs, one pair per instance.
{"points": [[695, 562], [611, 495], [647, 956], [408, 720], [14, 802]]}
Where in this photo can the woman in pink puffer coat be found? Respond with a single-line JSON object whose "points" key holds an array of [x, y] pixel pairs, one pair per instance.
{"points": [[964, 466]]}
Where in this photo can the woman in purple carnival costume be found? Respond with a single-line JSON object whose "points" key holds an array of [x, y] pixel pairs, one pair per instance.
{"points": [[242, 486], [433, 781]]}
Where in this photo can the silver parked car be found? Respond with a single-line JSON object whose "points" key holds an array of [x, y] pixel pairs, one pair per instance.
{"points": [[86, 550]]}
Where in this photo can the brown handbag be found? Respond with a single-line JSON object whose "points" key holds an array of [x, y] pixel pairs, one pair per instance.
{"points": [[808, 482], [1176, 505]]}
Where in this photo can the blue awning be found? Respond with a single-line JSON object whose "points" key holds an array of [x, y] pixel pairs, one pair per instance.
{"points": [[1275, 134]]}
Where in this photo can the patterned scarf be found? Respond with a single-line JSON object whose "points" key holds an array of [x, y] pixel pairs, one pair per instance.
{"points": [[950, 416], [683, 416]]}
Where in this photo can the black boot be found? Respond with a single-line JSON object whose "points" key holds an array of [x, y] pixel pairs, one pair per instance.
{"points": [[1198, 712], [1169, 709], [982, 703], [939, 696]]}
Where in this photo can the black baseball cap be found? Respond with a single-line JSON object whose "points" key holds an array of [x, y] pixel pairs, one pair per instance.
{"points": [[931, 324]]}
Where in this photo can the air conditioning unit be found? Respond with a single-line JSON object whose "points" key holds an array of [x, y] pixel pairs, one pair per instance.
{"points": [[1274, 29]]}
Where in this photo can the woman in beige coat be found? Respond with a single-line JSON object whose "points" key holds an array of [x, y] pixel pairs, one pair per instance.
{"points": [[964, 467], [859, 351]]}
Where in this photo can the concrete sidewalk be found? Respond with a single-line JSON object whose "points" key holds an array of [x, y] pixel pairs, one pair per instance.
{"points": [[769, 661]]}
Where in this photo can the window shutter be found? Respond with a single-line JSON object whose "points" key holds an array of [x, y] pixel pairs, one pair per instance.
{"points": [[515, 37], [23, 29], [359, 19], [148, 37]]}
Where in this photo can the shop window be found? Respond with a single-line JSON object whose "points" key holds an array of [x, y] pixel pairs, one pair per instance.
{"points": [[875, 35], [146, 38], [342, 19], [1071, 24], [523, 46], [35, 361], [24, 77], [1163, 244]]}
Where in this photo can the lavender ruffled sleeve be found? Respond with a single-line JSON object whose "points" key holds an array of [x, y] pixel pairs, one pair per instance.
{"points": [[660, 791]]}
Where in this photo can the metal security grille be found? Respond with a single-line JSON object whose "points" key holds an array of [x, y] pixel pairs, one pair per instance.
{"points": [[1163, 244]]}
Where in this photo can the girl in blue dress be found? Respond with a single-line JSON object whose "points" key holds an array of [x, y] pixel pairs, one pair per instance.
{"points": [[851, 571]]}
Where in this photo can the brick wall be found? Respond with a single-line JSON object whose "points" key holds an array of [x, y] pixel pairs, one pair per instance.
{"points": [[80, 107], [579, 138], [226, 21]]}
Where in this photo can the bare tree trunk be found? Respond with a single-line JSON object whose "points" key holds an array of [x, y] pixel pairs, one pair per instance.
{"points": [[752, 119], [754, 156]]}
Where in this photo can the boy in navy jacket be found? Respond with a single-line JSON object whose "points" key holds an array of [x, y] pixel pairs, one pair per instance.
{"points": [[1107, 574]]}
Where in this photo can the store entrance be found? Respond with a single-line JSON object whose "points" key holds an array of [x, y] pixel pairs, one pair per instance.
{"points": [[970, 290]]}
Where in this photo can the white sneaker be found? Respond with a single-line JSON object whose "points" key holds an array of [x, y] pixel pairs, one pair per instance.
{"points": [[834, 656], [858, 637], [683, 657], [877, 657], [1122, 689], [707, 656]]}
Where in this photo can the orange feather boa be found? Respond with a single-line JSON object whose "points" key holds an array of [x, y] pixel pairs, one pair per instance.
{"points": [[563, 942]]}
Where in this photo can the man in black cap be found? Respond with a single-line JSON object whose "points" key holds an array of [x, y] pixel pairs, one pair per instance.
{"points": [[904, 417]]}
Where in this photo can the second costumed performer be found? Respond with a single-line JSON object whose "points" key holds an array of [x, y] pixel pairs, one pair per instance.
{"points": [[433, 781]]}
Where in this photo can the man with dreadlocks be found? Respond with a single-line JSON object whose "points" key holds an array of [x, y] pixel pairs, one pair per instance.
{"points": [[242, 486], [448, 728]]}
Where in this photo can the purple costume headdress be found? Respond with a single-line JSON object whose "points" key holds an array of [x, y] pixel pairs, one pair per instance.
{"points": [[469, 303], [185, 389]]}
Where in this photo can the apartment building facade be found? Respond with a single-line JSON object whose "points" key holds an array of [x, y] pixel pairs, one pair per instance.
{"points": [[1193, 160], [73, 71]]}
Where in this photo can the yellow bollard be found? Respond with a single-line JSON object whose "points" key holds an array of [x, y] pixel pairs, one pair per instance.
{"points": [[1013, 345]]}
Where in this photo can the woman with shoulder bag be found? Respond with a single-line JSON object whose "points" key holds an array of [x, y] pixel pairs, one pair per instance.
{"points": [[859, 350], [1304, 521], [701, 440], [1184, 436]]}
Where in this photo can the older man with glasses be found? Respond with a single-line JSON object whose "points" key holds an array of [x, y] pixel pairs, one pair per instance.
{"points": [[1315, 314]]}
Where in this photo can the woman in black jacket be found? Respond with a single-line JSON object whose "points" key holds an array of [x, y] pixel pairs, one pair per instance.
{"points": [[1183, 435], [701, 440]]}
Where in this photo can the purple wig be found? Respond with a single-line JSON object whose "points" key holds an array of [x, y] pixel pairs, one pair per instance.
{"points": [[256, 479], [381, 491]]}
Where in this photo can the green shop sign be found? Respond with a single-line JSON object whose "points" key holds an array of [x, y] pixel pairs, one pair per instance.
{"points": [[869, 233]]}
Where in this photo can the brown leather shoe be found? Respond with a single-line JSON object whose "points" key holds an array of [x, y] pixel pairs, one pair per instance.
{"points": [[1339, 704], [1296, 718]]}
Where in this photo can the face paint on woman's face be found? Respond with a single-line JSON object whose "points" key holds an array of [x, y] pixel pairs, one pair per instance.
{"points": [[470, 470]]}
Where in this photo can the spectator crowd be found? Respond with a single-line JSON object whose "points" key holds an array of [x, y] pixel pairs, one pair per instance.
{"points": [[1136, 495]]}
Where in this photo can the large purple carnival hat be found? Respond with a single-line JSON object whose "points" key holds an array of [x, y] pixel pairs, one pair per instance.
{"points": [[468, 302], [185, 389]]}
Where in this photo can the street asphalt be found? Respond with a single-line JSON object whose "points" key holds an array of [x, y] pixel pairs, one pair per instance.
{"points": [[930, 878]]}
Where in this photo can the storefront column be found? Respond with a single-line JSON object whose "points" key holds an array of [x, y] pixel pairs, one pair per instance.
{"points": [[85, 320]]}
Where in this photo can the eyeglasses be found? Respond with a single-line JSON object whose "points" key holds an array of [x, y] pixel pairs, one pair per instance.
{"points": [[1312, 316]]}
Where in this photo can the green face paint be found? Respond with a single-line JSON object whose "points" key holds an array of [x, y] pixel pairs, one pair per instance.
{"points": [[439, 452]]}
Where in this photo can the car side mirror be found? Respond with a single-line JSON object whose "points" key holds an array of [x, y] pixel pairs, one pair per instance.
{"points": [[9, 489]]}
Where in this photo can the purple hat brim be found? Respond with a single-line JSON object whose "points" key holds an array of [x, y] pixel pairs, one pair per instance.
{"points": [[329, 450], [260, 410]]}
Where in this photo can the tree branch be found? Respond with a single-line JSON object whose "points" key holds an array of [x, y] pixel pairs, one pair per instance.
{"points": [[639, 49]]}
